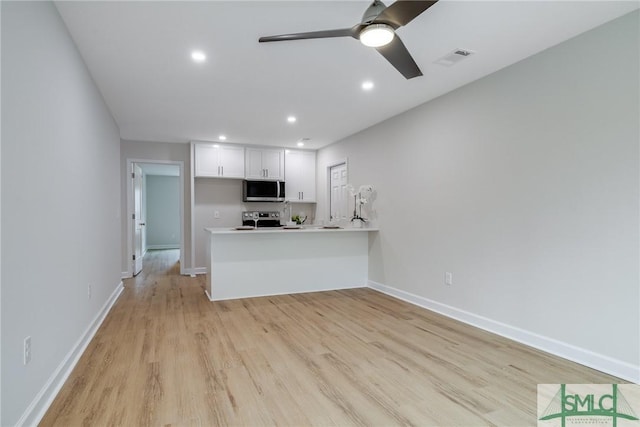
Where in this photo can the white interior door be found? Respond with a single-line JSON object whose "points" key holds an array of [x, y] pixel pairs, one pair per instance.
{"points": [[138, 222], [338, 198]]}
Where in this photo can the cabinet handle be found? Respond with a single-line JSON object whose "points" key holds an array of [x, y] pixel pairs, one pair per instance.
{"points": [[218, 170], [222, 167]]}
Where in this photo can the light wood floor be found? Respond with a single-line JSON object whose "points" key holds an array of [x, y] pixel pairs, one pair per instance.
{"points": [[165, 355]]}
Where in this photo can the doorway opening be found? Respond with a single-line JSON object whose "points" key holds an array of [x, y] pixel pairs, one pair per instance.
{"points": [[155, 210]]}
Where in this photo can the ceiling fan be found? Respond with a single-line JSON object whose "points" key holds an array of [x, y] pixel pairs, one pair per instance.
{"points": [[377, 30]]}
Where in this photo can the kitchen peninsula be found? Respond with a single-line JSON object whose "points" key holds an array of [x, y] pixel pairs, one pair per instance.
{"points": [[261, 262]]}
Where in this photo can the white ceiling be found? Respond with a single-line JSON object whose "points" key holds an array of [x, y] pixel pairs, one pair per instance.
{"points": [[139, 55]]}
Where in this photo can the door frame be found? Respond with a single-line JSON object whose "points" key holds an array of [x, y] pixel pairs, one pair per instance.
{"points": [[330, 165], [136, 220], [130, 222]]}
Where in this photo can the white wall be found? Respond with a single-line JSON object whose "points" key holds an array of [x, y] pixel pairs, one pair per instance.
{"points": [[524, 184], [60, 200], [162, 209]]}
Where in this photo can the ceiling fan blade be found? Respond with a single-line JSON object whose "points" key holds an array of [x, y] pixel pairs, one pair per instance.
{"points": [[345, 32], [398, 55], [403, 11]]}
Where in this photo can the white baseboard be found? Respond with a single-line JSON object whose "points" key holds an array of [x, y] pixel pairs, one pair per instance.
{"points": [[196, 270], [270, 294], [125, 275], [156, 247], [606, 364], [40, 404]]}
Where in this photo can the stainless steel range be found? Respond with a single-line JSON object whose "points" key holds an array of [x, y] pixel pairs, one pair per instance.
{"points": [[265, 218]]}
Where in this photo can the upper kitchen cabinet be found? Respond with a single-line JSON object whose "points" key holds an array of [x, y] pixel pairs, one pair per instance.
{"points": [[300, 176], [264, 163], [219, 161]]}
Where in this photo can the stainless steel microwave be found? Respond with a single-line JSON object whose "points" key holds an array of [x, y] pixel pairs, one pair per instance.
{"points": [[263, 191]]}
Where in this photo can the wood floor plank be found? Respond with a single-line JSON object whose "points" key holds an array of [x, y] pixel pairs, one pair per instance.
{"points": [[167, 356]]}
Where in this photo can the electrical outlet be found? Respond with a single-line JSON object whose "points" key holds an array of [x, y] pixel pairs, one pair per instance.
{"points": [[448, 278], [216, 214], [89, 291], [26, 350]]}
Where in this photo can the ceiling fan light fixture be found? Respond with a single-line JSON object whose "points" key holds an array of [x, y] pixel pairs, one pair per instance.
{"points": [[376, 35]]}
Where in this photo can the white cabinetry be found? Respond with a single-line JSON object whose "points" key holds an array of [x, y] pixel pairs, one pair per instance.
{"points": [[300, 176], [264, 164], [219, 161]]}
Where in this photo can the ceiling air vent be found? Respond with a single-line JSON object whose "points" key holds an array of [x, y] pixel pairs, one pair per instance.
{"points": [[454, 57]]}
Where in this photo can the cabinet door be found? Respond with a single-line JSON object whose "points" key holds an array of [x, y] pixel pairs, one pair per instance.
{"points": [[308, 176], [253, 164], [231, 162], [264, 164], [207, 160], [300, 175], [273, 164]]}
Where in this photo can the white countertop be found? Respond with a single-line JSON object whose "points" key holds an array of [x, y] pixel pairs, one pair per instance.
{"points": [[271, 230]]}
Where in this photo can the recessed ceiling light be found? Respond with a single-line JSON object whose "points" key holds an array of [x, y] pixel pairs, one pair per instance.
{"points": [[198, 56], [368, 85], [300, 144], [291, 119], [216, 146], [222, 138]]}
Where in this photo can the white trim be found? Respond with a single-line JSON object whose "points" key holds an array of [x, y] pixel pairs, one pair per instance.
{"points": [[192, 201], [40, 404], [125, 275], [129, 249], [157, 247], [196, 270], [340, 288], [600, 362]]}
